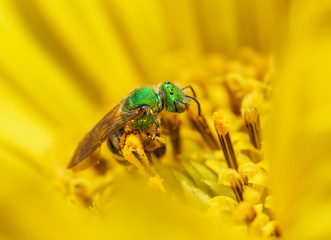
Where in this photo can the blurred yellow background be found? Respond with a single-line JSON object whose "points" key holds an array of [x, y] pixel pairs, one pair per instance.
{"points": [[63, 64]]}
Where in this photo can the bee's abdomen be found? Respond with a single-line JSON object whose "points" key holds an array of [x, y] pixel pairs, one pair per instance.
{"points": [[113, 144]]}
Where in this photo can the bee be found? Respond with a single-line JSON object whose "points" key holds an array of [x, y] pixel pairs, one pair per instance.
{"points": [[141, 110]]}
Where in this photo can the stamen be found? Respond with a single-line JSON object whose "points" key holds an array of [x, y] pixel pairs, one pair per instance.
{"points": [[235, 85], [222, 126], [245, 212], [200, 123], [171, 123], [252, 120], [237, 187]]}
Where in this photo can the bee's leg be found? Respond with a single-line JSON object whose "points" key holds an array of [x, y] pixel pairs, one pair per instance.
{"points": [[159, 152], [154, 143], [161, 148], [133, 151], [153, 135], [157, 128]]}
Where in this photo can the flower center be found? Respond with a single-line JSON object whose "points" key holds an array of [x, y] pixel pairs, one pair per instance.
{"points": [[226, 178]]}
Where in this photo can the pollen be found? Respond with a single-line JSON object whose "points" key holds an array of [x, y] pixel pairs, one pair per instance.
{"points": [[155, 184], [222, 126], [133, 151]]}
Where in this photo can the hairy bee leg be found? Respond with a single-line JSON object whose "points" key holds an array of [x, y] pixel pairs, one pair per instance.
{"points": [[157, 128], [117, 148], [154, 144], [151, 145], [160, 151], [157, 131], [134, 152]]}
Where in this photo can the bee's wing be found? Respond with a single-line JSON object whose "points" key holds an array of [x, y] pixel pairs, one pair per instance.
{"points": [[109, 124]]}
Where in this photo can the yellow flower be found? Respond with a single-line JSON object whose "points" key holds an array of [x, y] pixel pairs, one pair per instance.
{"points": [[64, 64]]}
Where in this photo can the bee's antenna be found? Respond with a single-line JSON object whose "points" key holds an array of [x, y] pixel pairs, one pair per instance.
{"points": [[190, 87], [196, 100]]}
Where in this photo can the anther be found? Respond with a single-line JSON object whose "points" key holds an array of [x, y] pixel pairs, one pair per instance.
{"points": [[222, 127]]}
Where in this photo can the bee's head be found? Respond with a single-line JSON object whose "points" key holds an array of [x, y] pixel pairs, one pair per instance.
{"points": [[174, 98]]}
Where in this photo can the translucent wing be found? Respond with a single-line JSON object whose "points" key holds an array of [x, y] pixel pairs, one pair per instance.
{"points": [[109, 124]]}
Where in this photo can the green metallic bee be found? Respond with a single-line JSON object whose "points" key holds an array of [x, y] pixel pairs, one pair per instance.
{"points": [[140, 109]]}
